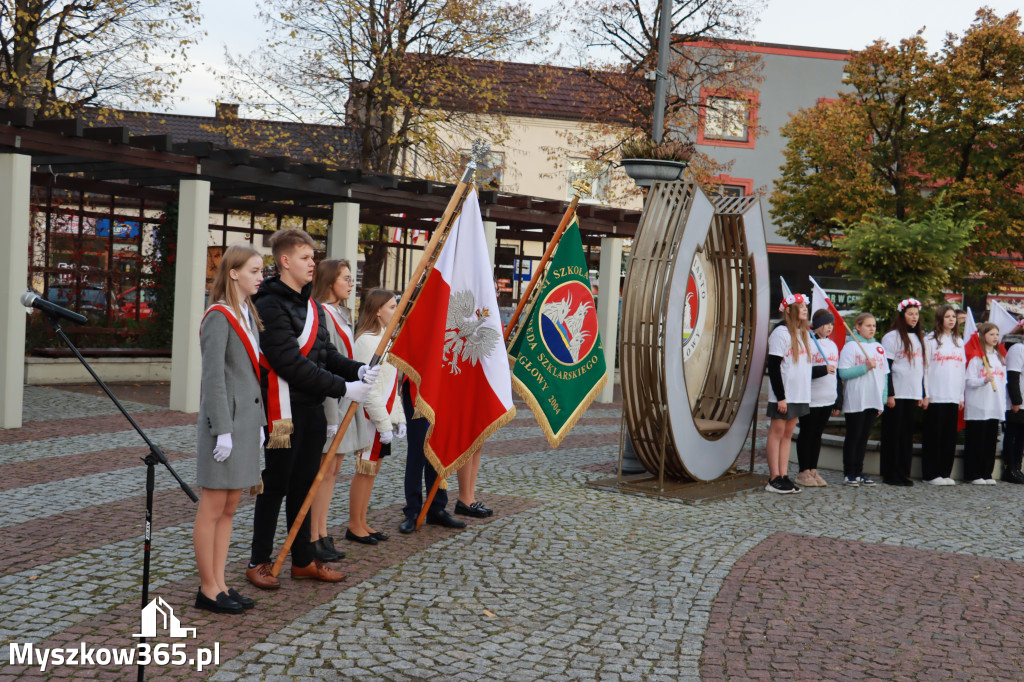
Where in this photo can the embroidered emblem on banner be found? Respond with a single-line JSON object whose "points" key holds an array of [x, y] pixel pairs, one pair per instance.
{"points": [[568, 330], [466, 337]]}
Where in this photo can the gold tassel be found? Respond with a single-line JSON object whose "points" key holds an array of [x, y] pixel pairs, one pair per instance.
{"points": [[443, 485], [279, 434], [367, 467], [257, 489]]}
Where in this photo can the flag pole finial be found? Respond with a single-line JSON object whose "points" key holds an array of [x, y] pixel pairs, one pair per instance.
{"points": [[478, 152], [581, 186]]}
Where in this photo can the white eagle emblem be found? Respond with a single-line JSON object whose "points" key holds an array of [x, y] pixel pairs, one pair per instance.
{"points": [[466, 336], [569, 322]]}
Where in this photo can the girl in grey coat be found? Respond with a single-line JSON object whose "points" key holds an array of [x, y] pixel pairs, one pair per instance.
{"points": [[231, 421]]}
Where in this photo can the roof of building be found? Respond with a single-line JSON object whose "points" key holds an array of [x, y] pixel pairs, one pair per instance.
{"points": [[336, 145]]}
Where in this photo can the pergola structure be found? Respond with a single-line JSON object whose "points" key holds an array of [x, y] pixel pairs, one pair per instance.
{"points": [[204, 178]]}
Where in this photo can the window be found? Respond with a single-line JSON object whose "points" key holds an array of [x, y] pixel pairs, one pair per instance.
{"points": [[489, 174], [597, 173], [727, 119], [727, 186]]}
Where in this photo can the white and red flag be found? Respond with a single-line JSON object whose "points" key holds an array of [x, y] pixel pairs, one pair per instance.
{"points": [[819, 300], [452, 347], [972, 342], [1002, 318]]}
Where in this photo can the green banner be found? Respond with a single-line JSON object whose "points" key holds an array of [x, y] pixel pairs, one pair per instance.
{"points": [[558, 364]]}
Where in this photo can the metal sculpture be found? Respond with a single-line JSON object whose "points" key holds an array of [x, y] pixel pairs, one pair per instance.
{"points": [[694, 330]]}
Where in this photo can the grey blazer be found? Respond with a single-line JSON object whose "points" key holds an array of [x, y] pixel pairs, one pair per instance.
{"points": [[230, 403]]}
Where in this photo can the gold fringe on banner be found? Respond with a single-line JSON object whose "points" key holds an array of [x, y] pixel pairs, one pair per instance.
{"points": [[279, 435], [555, 439], [428, 412]]}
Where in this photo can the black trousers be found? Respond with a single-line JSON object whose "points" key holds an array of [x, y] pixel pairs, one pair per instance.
{"points": [[980, 451], [938, 446], [288, 475], [808, 443], [858, 428], [1013, 445], [418, 471], [897, 440]]}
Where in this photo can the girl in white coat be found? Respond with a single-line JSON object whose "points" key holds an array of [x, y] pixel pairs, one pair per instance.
{"points": [[984, 407], [383, 408]]}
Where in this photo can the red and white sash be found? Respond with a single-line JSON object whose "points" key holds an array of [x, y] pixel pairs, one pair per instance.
{"points": [[367, 459], [245, 334], [342, 328], [279, 404]]}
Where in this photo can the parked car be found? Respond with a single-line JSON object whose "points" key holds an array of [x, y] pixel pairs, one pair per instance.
{"points": [[138, 298], [86, 300]]}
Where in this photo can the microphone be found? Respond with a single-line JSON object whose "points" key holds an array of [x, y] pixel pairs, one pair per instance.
{"points": [[31, 299]]}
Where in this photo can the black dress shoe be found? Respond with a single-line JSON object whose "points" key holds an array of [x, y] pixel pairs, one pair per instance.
{"points": [[1012, 476], [381, 537], [407, 526], [472, 510], [364, 539], [244, 601], [892, 481], [907, 483], [222, 604], [322, 552], [443, 518], [329, 544]]}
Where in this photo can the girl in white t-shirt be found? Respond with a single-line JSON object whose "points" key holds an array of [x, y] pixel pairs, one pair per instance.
{"points": [[943, 397], [863, 369], [789, 390], [984, 407], [824, 399], [1013, 437], [904, 352]]}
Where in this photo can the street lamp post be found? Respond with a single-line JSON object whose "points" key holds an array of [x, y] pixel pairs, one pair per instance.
{"points": [[661, 75]]}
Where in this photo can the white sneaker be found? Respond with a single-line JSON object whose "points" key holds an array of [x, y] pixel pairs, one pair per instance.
{"points": [[990, 481], [938, 480], [979, 481], [949, 481]]}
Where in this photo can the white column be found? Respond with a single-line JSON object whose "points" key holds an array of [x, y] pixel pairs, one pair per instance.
{"points": [[189, 293], [608, 308], [15, 178], [491, 235], [343, 234]]}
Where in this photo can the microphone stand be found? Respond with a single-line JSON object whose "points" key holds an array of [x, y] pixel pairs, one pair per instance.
{"points": [[155, 456]]}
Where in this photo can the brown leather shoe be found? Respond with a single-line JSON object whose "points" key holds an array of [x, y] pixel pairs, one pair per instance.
{"points": [[317, 571], [261, 577]]}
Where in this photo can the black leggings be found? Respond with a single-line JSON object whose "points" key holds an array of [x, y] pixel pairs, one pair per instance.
{"points": [[1013, 445], [897, 440], [808, 443], [938, 443], [858, 428], [980, 451]]}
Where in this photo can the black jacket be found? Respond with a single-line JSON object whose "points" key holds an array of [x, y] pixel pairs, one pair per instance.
{"points": [[311, 378]]}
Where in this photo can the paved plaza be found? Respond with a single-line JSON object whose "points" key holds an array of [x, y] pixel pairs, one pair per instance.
{"points": [[565, 582]]}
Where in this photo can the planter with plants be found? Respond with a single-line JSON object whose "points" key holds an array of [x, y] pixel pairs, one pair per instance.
{"points": [[647, 162]]}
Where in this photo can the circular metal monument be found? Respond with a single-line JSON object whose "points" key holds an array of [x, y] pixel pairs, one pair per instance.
{"points": [[694, 330]]}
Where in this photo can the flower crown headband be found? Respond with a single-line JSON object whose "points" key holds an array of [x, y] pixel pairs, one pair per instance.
{"points": [[790, 300], [908, 303]]}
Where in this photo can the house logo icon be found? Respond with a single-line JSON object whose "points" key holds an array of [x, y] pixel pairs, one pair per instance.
{"points": [[159, 609]]}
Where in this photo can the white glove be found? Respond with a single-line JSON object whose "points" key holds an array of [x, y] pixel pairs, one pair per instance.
{"points": [[400, 431], [356, 391], [332, 431], [222, 450], [386, 437], [368, 374]]}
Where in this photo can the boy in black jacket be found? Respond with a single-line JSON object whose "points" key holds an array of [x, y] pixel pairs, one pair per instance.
{"points": [[300, 368]]}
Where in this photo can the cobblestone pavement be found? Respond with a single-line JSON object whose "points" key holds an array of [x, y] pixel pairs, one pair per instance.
{"points": [[564, 582]]}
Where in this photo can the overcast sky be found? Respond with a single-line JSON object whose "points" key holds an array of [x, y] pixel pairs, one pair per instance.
{"points": [[814, 23]]}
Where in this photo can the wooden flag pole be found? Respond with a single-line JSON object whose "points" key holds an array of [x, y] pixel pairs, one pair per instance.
{"points": [[581, 188], [427, 502], [427, 259]]}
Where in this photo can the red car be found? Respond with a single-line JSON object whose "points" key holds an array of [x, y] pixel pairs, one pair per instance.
{"points": [[129, 302]]}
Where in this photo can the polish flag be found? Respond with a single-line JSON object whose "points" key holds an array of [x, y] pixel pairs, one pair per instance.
{"points": [[1001, 317], [452, 347], [819, 300], [972, 349]]}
